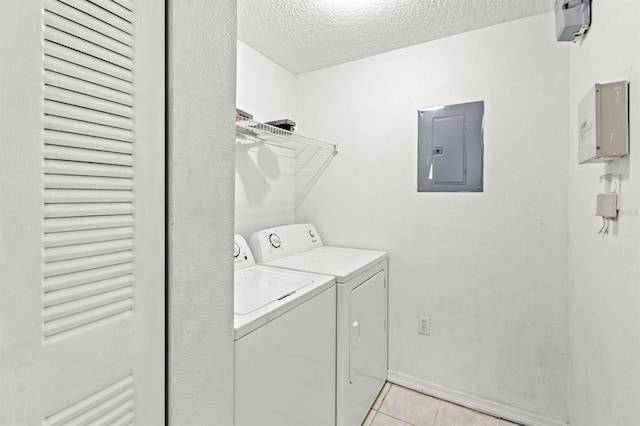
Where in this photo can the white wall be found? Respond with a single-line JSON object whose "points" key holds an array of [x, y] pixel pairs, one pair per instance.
{"points": [[490, 269], [264, 88], [202, 53], [604, 274], [265, 181]]}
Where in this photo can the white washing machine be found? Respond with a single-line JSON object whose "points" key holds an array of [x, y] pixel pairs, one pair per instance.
{"points": [[362, 293], [285, 343]]}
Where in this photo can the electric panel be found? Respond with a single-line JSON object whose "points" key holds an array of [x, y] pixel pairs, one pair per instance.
{"points": [[450, 148]]}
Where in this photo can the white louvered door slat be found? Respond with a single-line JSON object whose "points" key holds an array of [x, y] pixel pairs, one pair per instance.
{"points": [[78, 224], [73, 238], [52, 138], [82, 213], [86, 182], [56, 152], [85, 60], [68, 97], [84, 280], [86, 33], [77, 80], [73, 125], [101, 14], [127, 4], [64, 67], [56, 297], [82, 18], [82, 113], [85, 169]]}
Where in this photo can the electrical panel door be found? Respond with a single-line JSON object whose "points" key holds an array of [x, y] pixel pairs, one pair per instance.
{"points": [[450, 148]]}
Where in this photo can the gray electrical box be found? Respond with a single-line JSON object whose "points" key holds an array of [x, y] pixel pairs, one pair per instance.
{"points": [[604, 123], [573, 18], [450, 148]]}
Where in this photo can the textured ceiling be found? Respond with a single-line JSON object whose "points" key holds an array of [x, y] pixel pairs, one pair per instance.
{"points": [[305, 35]]}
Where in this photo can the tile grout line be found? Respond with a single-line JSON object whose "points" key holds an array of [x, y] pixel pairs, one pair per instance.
{"points": [[440, 402], [435, 419], [395, 418], [372, 418], [391, 385], [385, 395]]}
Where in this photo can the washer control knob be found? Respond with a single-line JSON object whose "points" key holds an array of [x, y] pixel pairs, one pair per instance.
{"points": [[236, 250], [275, 240], [311, 234]]}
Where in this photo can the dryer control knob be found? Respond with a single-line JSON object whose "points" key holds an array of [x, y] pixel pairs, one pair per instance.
{"points": [[275, 240], [236, 250]]}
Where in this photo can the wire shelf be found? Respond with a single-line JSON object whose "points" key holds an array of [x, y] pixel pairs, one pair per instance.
{"points": [[251, 131], [312, 156]]}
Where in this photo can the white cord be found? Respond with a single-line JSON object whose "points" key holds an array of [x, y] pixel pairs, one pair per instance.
{"points": [[604, 223]]}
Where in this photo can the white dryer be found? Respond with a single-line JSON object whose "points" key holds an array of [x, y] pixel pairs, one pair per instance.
{"points": [[362, 293], [285, 343]]}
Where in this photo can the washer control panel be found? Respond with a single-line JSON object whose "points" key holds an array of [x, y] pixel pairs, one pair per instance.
{"points": [[272, 244], [242, 257]]}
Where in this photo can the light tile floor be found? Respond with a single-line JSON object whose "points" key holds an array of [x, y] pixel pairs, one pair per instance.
{"points": [[398, 406]]}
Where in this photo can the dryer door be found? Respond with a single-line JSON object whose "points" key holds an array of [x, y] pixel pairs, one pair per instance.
{"points": [[368, 334]]}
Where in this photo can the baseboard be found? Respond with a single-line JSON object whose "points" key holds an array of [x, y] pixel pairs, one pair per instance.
{"points": [[486, 406]]}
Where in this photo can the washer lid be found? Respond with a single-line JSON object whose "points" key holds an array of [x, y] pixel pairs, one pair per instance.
{"points": [[342, 263], [262, 294], [257, 288]]}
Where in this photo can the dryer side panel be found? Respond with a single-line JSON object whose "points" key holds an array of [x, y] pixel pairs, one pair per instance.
{"points": [[367, 343]]}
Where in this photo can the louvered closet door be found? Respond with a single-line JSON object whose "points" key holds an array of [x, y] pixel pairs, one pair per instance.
{"points": [[82, 212]]}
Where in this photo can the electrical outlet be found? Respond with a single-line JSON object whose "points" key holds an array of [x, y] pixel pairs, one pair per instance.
{"points": [[424, 325]]}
